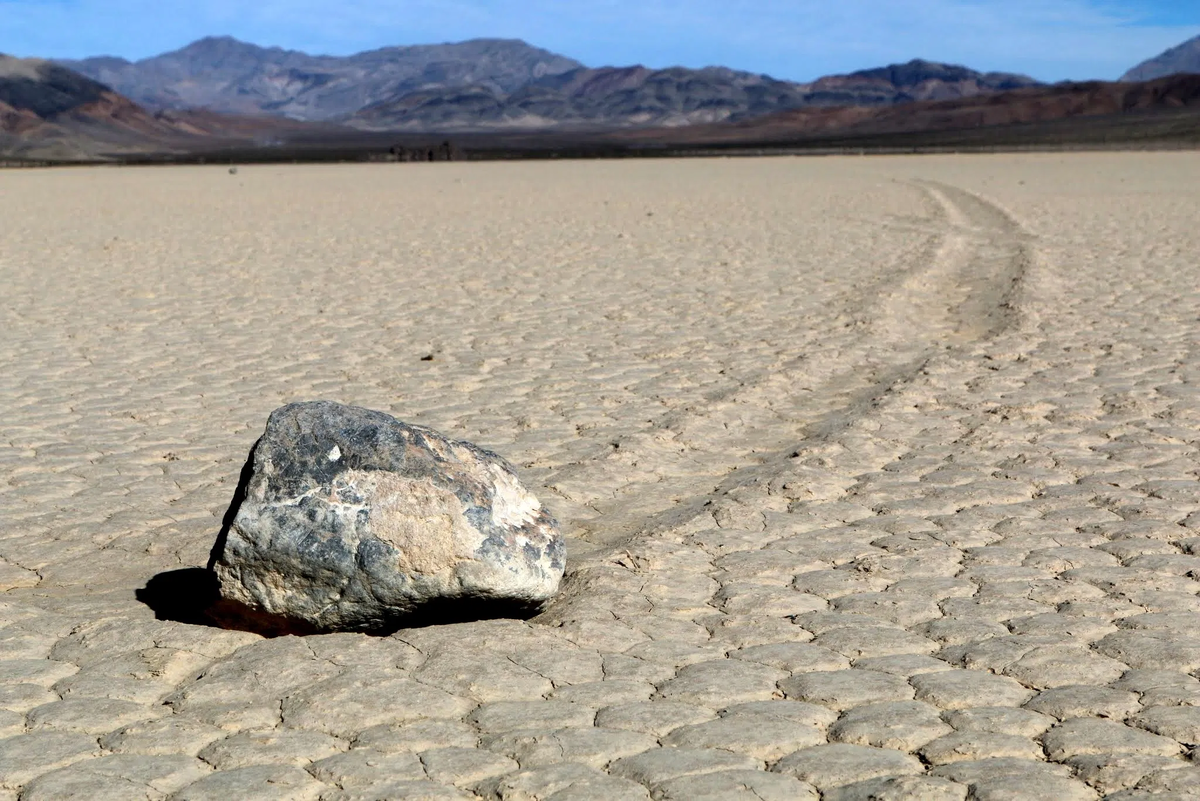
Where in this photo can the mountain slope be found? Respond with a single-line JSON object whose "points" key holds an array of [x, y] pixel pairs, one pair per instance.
{"points": [[48, 111], [42, 88], [223, 74], [1184, 58], [605, 97]]}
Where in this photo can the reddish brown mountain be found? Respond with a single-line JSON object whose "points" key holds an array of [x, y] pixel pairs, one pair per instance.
{"points": [[1093, 99], [48, 112]]}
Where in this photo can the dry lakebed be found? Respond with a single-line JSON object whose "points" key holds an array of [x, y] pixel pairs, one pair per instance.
{"points": [[878, 476]]}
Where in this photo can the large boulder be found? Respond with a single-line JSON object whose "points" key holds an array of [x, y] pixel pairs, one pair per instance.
{"points": [[347, 519]]}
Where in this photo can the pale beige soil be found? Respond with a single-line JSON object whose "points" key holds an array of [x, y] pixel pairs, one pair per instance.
{"points": [[880, 474]]}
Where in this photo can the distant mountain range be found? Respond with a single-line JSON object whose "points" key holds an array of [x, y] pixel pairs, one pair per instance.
{"points": [[638, 96], [497, 83], [1184, 58], [220, 95]]}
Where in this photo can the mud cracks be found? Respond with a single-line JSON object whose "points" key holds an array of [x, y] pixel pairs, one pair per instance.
{"points": [[878, 488]]}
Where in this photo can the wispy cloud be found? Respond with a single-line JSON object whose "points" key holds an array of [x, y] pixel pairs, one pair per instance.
{"points": [[796, 39]]}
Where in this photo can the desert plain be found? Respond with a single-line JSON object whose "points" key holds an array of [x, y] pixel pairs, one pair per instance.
{"points": [[879, 475]]}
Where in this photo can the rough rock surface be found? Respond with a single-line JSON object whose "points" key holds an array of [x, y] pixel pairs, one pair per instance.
{"points": [[350, 520]]}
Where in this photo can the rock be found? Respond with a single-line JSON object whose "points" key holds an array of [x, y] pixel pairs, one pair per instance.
{"points": [[347, 519]]}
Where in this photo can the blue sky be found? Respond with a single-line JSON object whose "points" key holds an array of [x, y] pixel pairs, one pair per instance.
{"points": [[791, 39]]}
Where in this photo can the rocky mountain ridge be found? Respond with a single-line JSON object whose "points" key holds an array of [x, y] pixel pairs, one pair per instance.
{"points": [[637, 96], [225, 75], [485, 84]]}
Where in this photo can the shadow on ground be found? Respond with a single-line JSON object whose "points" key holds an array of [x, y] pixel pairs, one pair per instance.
{"points": [[181, 595], [192, 595]]}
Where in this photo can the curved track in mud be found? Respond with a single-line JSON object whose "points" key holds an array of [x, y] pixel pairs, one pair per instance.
{"points": [[959, 286]]}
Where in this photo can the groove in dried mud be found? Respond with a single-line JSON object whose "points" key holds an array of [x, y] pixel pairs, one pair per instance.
{"points": [[959, 288]]}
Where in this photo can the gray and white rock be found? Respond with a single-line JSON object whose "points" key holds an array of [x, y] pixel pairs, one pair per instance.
{"points": [[348, 519]]}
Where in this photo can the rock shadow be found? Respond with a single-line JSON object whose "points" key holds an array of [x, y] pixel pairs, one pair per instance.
{"points": [[192, 595], [181, 595]]}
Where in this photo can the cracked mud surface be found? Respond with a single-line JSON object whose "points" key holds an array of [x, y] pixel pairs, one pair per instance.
{"points": [[879, 475]]}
